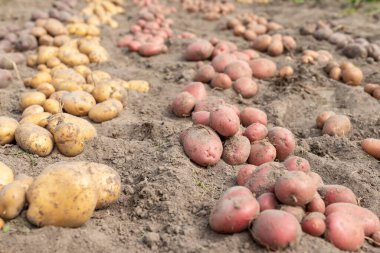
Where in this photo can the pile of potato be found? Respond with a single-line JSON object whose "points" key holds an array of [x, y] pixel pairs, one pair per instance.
{"points": [[148, 36], [212, 10], [346, 44], [346, 72], [333, 124], [277, 201], [314, 57], [371, 88], [88, 186]]}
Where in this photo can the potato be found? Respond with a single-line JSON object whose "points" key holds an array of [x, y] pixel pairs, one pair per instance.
{"points": [[314, 224], [55, 27], [220, 61], [60, 40], [250, 115], [241, 56], [353, 50], [225, 121], [296, 163], [369, 220], [295, 188], [32, 98], [244, 173], [7, 130], [344, 231], [370, 87], [24, 180], [286, 71], [12, 200], [262, 68], [221, 81], [372, 147], [337, 125], [87, 129], [296, 211], [85, 72], [34, 139], [352, 76], [322, 117], [45, 53], [267, 201], [336, 193], [46, 88], [376, 93], [289, 43], [78, 103], [204, 74], [6, 175], [209, 104], [249, 35], [238, 69], [202, 145], [49, 205], [268, 229], [263, 179], [262, 42], [201, 117], [335, 73], [276, 47], [234, 211], [283, 140], [255, 132], [316, 204], [246, 87], [197, 89], [199, 50], [7, 60], [105, 90], [68, 139], [151, 49], [40, 119], [106, 110], [236, 150], [261, 152], [52, 106], [183, 104], [33, 109]]}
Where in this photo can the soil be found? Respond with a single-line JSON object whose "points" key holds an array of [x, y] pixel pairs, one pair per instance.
{"points": [[166, 199]]}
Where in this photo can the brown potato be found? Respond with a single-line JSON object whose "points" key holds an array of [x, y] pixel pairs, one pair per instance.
{"points": [[53, 106], [78, 103], [352, 76], [34, 139], [7, 130], [106, 110], [39, 119], [337, 125], [40, 78], [12, 200], [68, 139]]}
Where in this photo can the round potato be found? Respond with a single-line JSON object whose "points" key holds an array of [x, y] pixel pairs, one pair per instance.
{"points": [[6, 175], [32, 98], [78, 103], [7, 130], [53, 106], [68, 139], [337, 125], [34, 139], [106, 110], [33, 109]]}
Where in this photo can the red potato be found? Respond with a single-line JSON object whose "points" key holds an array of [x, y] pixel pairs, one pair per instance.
{"points": [[370, 87], [322, 117], [256, 132], [220, 61], [199, 50], [316, 204], [246, 87], [262, 42], [289, 43], [352, 76], [241, 56], [283, 140], [134, 46], [252, 54], [250, 115], [183, 104], [261, 152], [276, 47], [369, 221], [221, 81], [376, 93], [151, 49], [336, 193], [316, 178], [5, 78], [205, 74], [234, 211], [235, 108], [249, 35], [244, 174], [201, 117], [344, 231], [209, 104], [264, 178], [224, 121], [238, 69], [295, 188], [372, 147], [314, 224], [376, 238], [296, 163], [276, 229], [236, 150], [202, 145], [197, 89], [297, 211], [267, 201], [262, 68]]}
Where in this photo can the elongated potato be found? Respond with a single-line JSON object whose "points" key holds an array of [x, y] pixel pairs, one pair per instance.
{"points": [[78, 103], [12, 200], [32, 98], [68, 138], [6, 175], [33, 109], [7, 130], [34, 139], [106, 110]]}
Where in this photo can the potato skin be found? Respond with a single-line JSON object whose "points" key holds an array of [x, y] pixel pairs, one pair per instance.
{"points": [[236, 150], [220, 61], [8, 128], [269, 228], [337, 125], [244, 173], [68, 139], [33, 109], [202, 145], [263, 68], [256, 132], [234, 211], [106, 110], [199, 50], [78, 103], [322, 117], [296, 163], [210, 104], [32, 98], [267, 201], [197, 89], [201, 117], [314, 224], [238, 69], [250, 115], [49, 205], [336, 193], [12, 200], [183, 104], [221, 81], [296, 211], [316, 204], [204, 74], [6, 175], [372, 147], [39, 119], [225, 121], [283, 140], [34, 139], [261, 152], [246, 87]]}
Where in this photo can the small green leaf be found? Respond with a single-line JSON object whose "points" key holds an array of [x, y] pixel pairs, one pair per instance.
{"points": [[6, 228]]}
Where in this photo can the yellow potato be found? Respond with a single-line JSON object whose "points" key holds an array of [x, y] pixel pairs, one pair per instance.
{"points": [[60, 40], [34, 139], [31, 60], [7, 130], [106, 110], [68, 139], [45, 53], [50, 205], [67, 79], [32, 98], [54, 27], [53, 62], [33, 109], [137, 85], [70, 55], [88, 131], [53, 106], [46, 88], [46, 40], [88, 88], [39, 119], [6, 175], [58, 95], [109, 89], [38, 31], [83, 70], [78, 103], [24, 180], [12, 200], [97, 76], [40, 78]]}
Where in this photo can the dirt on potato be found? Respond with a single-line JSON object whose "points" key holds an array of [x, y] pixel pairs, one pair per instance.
{"points": [[166, 199]]}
